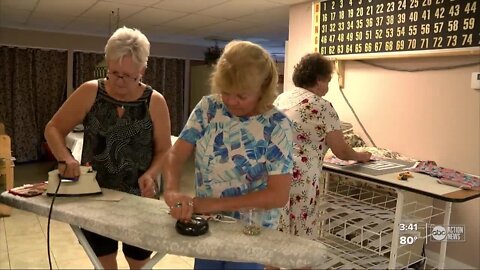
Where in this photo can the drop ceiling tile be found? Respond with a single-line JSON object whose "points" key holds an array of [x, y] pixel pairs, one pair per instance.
{"points": [[193, 21], [89, 26], [16, 4], [64, 7], [173, 21], [104, 9], [161, 30], [43, 20], [275, 16], [13, 16], [152, 16], [190, 6], [290, 2], [143, 3], [234, 9]]}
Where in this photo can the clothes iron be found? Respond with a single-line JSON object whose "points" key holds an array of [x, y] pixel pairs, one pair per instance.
{"points": [[85, 185]]}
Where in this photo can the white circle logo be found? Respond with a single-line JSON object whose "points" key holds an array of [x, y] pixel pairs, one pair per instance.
{"points": [[439, 233]]}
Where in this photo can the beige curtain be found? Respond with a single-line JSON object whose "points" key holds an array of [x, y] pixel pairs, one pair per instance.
{"points": [[33, 85]]}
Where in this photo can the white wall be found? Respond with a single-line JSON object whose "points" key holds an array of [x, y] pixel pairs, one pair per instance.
{"points": [[432, 115], [299, 39], [200, 86]]}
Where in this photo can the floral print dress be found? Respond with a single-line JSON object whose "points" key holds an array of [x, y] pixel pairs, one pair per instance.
{"points": [[235, 155], [312, 118]]}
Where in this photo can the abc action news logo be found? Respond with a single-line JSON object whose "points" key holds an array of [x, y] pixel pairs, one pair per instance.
{"points": [[453, 233]]}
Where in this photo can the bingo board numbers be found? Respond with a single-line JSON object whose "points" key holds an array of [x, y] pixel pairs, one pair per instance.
{"points": [[351, 27]]}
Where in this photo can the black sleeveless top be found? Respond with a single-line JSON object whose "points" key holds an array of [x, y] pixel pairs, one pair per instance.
{"points": [[120, 149]]}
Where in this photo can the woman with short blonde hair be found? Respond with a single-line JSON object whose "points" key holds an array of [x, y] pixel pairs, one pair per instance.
{"points": [[243, 67]]}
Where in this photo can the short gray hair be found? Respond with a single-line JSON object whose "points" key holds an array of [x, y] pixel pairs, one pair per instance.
{"points": [[128, 41]]}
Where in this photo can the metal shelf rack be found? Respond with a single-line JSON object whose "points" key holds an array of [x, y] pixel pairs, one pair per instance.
{"points": [[357, 223]]}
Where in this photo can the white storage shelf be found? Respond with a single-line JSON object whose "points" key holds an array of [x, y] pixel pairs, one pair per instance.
{"points": [[350, 256], [357, 223]]}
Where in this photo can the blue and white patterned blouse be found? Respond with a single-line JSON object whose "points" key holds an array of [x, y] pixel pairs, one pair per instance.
{"points": [[234, 155]]}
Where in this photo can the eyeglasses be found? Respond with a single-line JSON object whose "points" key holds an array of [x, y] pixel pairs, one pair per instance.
{"points": [[125, 78]]}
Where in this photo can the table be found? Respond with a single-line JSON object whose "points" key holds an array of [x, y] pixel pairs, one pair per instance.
{"points": [[145, 223], [420, 184]]}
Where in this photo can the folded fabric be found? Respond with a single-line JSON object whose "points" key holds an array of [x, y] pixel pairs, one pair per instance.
{"points": [[335, 160], [29, 190], [447, 176]]}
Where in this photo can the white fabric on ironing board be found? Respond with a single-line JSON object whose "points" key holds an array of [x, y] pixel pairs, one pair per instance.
{"points": [[145, 223]]}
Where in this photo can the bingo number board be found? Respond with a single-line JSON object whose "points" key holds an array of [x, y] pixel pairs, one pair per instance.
{"points": [[365, 27]]}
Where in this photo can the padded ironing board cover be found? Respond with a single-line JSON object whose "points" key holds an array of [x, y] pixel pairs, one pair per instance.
{"points": [[145, 223]]}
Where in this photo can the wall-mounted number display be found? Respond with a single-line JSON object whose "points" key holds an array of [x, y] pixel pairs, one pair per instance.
{"points": [[358, 27]]}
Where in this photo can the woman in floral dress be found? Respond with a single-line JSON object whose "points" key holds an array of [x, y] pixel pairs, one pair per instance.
{"points": [[316, 128]]}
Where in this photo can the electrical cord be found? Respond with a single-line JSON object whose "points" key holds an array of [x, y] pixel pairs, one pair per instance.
{"points": [[50, 215], [356, 117], [48, 223], [401, 70]]}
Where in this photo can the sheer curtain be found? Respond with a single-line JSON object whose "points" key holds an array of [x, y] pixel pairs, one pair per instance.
{"points": [[33, 85]]}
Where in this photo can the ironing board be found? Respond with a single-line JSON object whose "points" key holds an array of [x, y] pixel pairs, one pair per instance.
{"points": [[145, 223]]}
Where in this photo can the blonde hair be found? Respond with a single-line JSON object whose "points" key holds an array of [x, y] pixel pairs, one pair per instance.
{"points": [[246, 67], [125, 42]]}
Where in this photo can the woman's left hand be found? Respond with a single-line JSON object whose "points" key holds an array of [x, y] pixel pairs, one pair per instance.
{"points": [[147, 186]]}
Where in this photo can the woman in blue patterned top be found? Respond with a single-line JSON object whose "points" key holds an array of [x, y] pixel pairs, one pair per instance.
{"points": [[242, 143]]}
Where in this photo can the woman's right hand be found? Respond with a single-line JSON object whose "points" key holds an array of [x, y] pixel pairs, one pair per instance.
{"points": [[181, 206], [70, 168], [363, 156]]}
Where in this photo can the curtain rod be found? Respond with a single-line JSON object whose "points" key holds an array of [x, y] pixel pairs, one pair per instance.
{"points": [[152, 55], [33, 47], [86, 51]]}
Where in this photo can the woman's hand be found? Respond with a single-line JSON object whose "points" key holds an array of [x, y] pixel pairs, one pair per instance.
{"points": [[363, 156], [147, 186], [69, 168], [181, 206]]}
